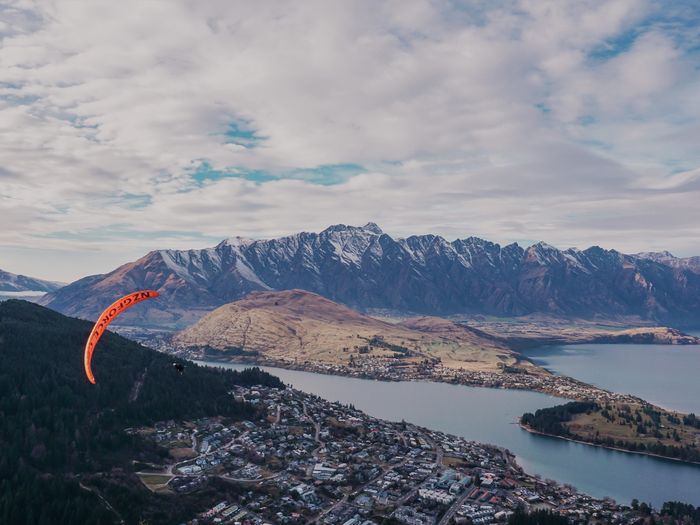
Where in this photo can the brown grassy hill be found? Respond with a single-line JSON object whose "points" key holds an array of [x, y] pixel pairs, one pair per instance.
{"points": [[301, 325], [441, 327]]}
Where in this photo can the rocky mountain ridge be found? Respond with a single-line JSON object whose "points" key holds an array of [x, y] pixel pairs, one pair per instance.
{"points": [[363, 268], [667, 258]]}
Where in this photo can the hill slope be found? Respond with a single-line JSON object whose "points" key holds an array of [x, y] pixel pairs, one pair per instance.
{"points": [[364, 268], [59, 433], [296, 325]]}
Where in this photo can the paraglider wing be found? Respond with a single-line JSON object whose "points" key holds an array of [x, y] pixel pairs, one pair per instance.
{"points": [[110, 313]]}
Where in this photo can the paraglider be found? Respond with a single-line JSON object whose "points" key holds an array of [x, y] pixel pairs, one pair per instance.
{"points": [[110, 313]]}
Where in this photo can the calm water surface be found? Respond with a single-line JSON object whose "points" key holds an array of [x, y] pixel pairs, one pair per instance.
{"points": [[666, 375], [490, 415]]}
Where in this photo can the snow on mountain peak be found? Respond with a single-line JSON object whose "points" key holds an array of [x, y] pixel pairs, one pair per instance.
{"points": [[543, 246], [655, 256], [238, 241], [370, 228], [542, 253], [351, 243], [373, 227], [422, 273]]}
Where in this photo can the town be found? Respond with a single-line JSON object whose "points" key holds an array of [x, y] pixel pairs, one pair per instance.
{"points": [[387, 369], [306, 460]]}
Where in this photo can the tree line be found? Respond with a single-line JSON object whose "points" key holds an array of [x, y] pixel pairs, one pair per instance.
{"points": [[56, 429]]}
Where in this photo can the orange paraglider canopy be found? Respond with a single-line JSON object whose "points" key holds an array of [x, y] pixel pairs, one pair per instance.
{"points": [[110, 313]]}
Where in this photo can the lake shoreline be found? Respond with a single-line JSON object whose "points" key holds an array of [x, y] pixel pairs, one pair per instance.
{"points": [[598, 399], [557, 385], [663, 375], [489, 415], [606, 447], [601, 399]]}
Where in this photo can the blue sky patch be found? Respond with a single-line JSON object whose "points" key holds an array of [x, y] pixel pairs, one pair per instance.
{"points": [[677, 20], [242, 134], [205, 172], [615, 46], [324, 175]]}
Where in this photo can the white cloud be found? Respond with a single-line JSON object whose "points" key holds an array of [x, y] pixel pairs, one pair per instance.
{"points": [[576, 122]]}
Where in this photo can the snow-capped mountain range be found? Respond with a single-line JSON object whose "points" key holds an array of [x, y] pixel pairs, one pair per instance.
{"points": [[365, 268]]}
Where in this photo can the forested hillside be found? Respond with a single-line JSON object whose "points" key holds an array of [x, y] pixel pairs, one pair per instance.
{"points": [[57, 430], [637, 427]]}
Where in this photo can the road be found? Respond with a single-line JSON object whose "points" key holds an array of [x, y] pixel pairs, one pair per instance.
{"points": [[454, 508], [103, 500], [138, 385], [439, 453], [169, 469], [317, 430], [256, 480], [279, 415], [344, 499]]}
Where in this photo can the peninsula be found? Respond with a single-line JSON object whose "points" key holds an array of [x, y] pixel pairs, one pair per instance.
{"points": [[300, 330]]}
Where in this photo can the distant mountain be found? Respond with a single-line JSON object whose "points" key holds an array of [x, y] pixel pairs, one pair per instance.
{"points": [[296, 325], [364, 268], [13, 284], [689, 263]]}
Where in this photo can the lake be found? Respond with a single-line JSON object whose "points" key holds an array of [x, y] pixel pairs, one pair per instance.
{"points": [[665, 375], [490, 416]]}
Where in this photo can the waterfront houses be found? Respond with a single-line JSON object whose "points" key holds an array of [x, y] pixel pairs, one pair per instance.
{"points": [[306, 460]]}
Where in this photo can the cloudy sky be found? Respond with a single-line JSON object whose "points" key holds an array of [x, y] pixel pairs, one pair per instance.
{"points": [[125, 128]]}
